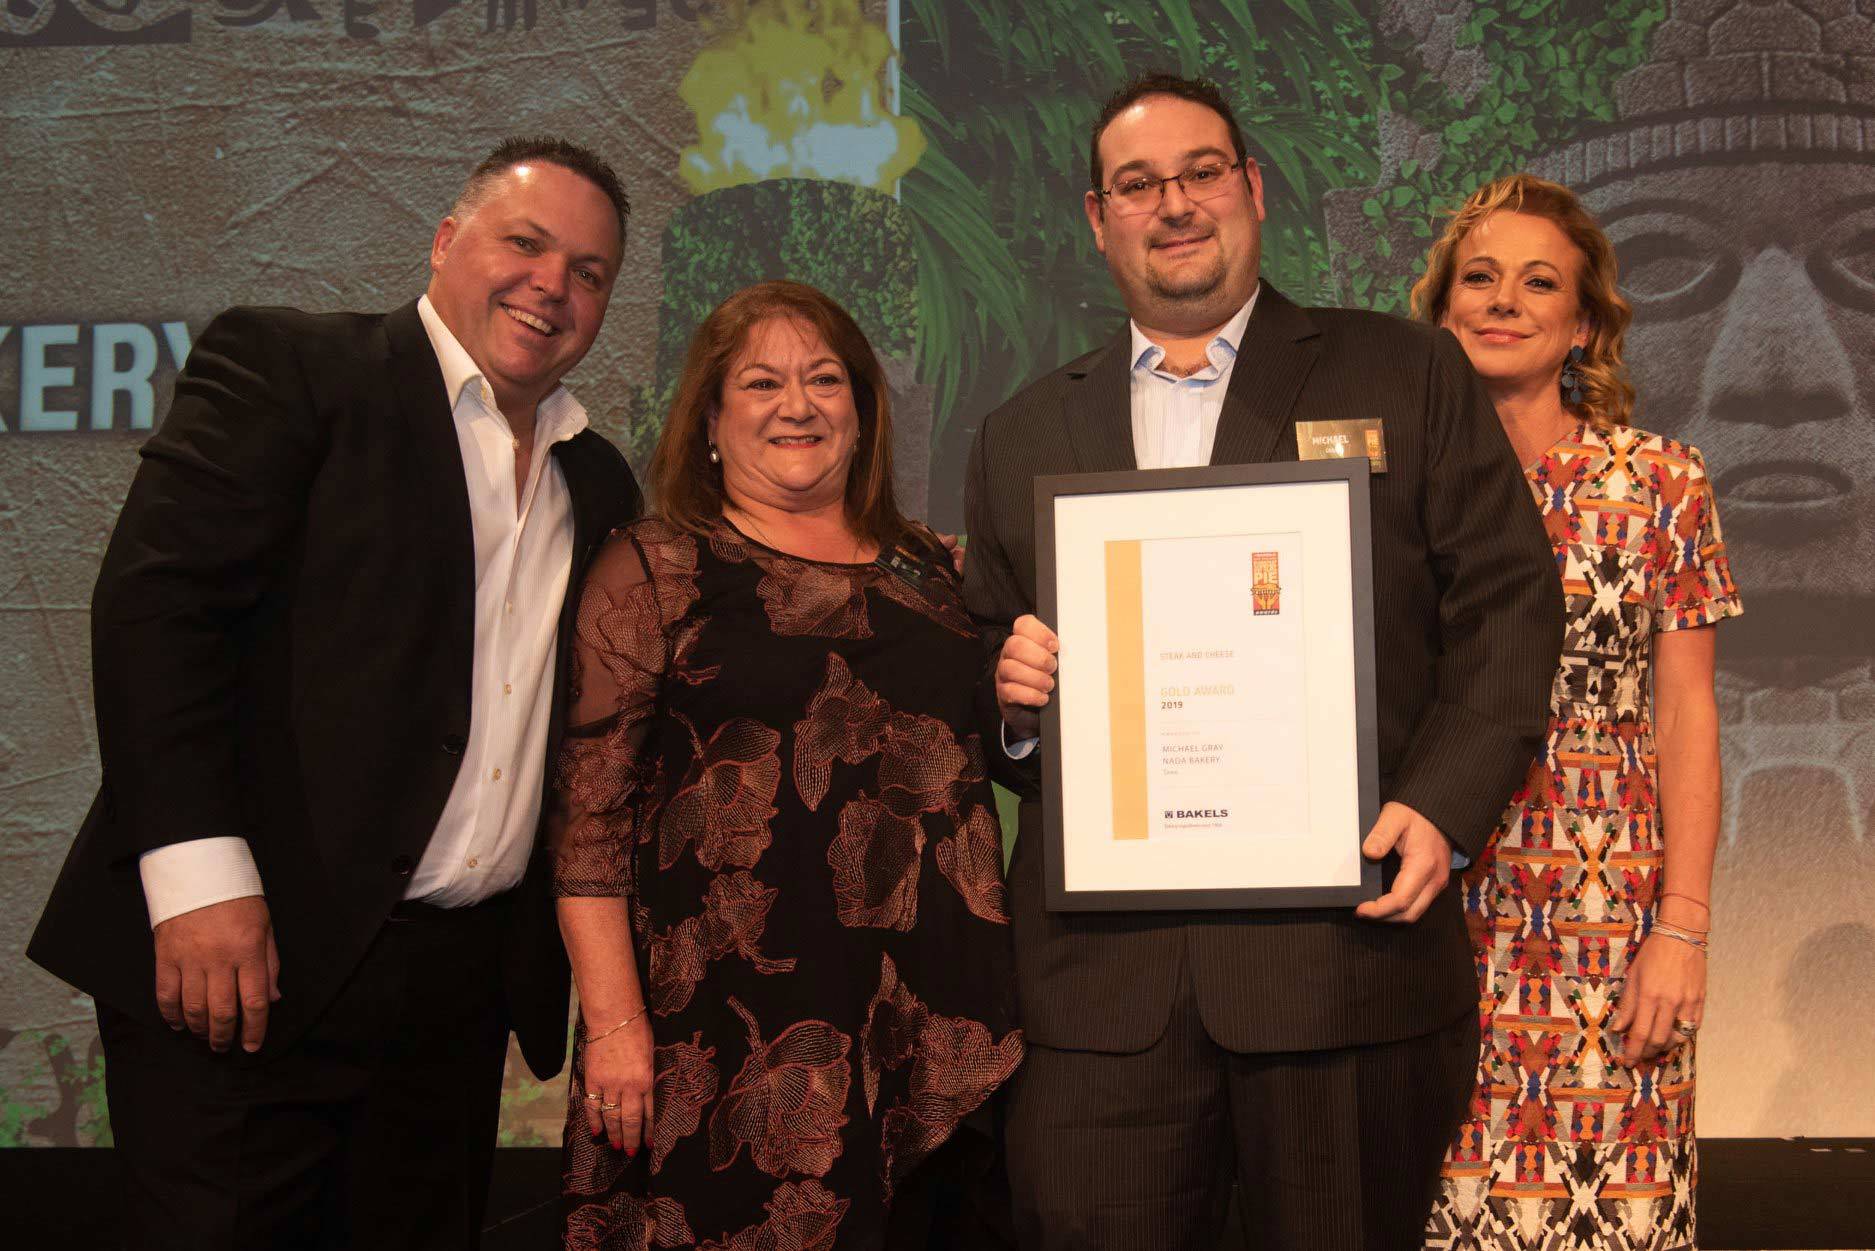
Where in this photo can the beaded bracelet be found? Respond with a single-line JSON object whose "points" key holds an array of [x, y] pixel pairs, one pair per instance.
{"points": [[593, 1038]]}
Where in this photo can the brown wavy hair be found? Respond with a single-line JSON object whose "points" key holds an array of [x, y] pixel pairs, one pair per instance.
{"points": [[1607, 395], [687, 489]]}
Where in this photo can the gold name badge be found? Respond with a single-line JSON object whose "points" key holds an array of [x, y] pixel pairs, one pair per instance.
{"points": [[1333, 440]]}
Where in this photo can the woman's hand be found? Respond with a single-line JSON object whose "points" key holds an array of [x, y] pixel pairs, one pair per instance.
{"points": [[1666, 985], [956, 551], [618, 1072]]}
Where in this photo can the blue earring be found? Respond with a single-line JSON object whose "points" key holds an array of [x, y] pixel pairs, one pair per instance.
{"points": [[1571, 377]]}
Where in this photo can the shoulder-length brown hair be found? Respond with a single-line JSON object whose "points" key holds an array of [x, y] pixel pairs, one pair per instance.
{"points": [[1607, 395], [688, 489]]}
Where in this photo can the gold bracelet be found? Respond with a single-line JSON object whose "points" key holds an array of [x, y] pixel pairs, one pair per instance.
{"points": [[593, 1038], [1697, 903], [1679, 935]]}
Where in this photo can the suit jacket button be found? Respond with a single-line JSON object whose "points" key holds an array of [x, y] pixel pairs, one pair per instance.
{"points": [[454, 744], [402, 865]]}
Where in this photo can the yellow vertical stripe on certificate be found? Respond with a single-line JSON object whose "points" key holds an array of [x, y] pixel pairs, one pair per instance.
{"points": [[1126, 687]]}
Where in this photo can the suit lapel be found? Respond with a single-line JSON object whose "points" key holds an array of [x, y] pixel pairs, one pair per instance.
{"points": [[585, 536], [573, 469], [1099, 410], [1279, 348], [440, 484], [586, 487]]}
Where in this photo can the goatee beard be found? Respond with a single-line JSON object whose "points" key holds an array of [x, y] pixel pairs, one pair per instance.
{"points": [[1192, 287]]}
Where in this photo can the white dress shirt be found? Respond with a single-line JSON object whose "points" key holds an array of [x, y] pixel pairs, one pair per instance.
{"points": [[523, 560], [1174, 418]]}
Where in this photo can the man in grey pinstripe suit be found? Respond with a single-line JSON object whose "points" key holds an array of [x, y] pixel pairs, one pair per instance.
{"points": [[1319, 1059]]}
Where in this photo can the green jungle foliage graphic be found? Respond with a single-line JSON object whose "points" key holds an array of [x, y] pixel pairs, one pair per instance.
{"points": [[76, 1115], [1551, 65], [1009, 284]]}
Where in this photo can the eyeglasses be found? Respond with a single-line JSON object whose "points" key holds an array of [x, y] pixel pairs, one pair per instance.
{"points": [[1142, 192]]}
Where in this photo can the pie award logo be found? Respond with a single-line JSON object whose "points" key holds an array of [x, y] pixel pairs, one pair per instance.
{"points": [[1266, 586]]}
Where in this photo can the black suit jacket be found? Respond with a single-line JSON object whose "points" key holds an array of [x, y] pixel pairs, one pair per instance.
{"points": [[282, 639], [1468, 622]]}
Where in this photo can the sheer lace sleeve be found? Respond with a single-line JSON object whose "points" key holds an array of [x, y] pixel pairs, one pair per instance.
{"points": [[619, 657]]}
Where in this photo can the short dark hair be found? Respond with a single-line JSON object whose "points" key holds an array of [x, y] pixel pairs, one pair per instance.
{"points": [[554, 151], [1197, 90]]}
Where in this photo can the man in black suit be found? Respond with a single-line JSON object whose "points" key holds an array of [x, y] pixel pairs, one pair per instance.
{"points": [[1320, 1059], [329, 643]]}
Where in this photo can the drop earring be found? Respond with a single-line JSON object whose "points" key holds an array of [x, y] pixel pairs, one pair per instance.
{"points": [[1572, 376], [715, 456]]}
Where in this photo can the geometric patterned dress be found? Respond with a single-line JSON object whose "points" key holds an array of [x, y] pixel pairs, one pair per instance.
{"points": [[1565, 1148], [774, 760]]}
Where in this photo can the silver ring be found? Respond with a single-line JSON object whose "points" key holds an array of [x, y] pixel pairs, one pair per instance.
{"points": [[592, 1098], [1686, 1029]]}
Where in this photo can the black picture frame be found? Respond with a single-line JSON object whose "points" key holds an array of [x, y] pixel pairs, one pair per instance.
{"points": [[1354, 471]]}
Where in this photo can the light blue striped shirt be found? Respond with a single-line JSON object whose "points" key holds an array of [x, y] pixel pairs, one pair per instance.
{"points": [[1174, 418]]}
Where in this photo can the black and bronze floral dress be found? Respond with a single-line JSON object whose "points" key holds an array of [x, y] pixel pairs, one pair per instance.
{"points": [[774, 760]]}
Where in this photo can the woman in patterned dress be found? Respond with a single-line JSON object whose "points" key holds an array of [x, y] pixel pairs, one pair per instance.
{"points": [[1589, 909], [778, 862]]}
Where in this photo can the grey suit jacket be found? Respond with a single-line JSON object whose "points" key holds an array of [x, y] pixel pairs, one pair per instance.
{"points": [[1468, 624]]}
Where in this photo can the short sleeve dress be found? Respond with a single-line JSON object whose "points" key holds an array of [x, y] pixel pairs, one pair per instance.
{"points": [[1566, 1149], [774, 760]]}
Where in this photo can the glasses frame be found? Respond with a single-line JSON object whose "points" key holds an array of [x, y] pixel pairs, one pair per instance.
{"points": [[1108, 193]]}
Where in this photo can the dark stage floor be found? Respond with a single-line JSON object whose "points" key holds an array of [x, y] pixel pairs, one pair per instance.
{"points": [[1755, 1195]]}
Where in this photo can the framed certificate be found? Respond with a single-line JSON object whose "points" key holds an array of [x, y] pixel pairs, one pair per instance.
{"points": [[1211, 741]]}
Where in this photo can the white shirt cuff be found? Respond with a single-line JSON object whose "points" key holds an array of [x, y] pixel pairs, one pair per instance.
{"points": [[182, 877], [1020, 749]]}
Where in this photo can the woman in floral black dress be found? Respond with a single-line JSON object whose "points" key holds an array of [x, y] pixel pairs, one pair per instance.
{"points": [[778, 857]]}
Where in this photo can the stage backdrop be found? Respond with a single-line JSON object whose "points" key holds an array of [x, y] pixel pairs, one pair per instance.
{"points": [[923, 161]]}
